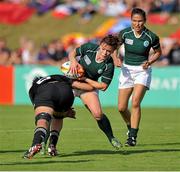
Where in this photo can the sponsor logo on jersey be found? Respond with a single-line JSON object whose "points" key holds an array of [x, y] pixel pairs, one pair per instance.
{"points": [[87, 60], [146, 43], [129, 41], [100, 71]]}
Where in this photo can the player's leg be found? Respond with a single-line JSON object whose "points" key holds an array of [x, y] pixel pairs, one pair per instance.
{"points": [[138, 94], [123, 98], [91, 100], [126, 84], [42, 120], [56, 126]]}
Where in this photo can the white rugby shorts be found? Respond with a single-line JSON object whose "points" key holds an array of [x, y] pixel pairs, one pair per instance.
{"points": [[131, 75]]}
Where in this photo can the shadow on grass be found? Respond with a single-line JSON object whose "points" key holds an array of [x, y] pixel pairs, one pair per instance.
{"points": [[29, 162], [12, 151], [160, 144], [134, 151], [126, 151], [94, 152]]}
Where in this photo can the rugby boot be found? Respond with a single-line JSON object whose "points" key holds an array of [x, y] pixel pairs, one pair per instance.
{"points": [[131, 141], [32, 151], [52, 151], [115, 143]]}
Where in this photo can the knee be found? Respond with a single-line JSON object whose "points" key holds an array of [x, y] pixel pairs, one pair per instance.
{"points": [[122, 109], [46, 117], [135, 103], [97, 115]]}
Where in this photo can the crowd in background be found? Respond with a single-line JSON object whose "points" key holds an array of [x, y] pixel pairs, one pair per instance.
{"points": [[102, 6], [54, 52]]}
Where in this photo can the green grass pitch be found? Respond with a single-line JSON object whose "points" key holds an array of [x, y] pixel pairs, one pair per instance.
{"points": [[83, 147]]}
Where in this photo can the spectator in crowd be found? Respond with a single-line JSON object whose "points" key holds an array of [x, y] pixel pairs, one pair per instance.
{"points": [[61, 54], [166, 46], [29, 53], [43, 56], [174, 56], [4, 52], [42, 6], [52, 49], [112, 7], [88, 11], [15, 58], [57, 52]]}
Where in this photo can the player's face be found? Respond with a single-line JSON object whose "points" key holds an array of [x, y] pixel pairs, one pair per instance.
{"points": [[137, 22], [105, 51]]}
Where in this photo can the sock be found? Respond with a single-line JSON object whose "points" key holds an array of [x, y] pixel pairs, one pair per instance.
{"points": [[129, 127], [133, 132], [54, 135], [47, 136], [39, 135], [105, 126]]}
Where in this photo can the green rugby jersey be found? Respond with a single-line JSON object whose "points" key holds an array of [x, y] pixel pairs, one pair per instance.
{"points": [[94, 70], [137, 49]]}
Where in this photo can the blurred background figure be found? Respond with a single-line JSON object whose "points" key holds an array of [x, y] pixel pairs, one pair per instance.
{"points": [[15, 58], [166, 46], [42, 6], [4, 52], [43, 56], [57, 52], [174, 57], [29, 53], [112, 7]]}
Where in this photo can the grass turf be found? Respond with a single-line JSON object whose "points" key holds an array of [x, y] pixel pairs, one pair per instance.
{"points": [[83, 147]]}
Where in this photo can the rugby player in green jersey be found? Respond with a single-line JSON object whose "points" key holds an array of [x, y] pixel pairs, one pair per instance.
{"points": [[135, 77], [97, 62]]}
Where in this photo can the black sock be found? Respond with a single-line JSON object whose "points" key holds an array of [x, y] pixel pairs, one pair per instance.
{"points": [[129, 127], [105, 126], [54, 135], [47, 136], [133, 132], [39, 135]]}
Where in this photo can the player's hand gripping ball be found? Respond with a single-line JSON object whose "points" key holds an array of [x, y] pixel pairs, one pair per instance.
{"points": [[65, 67]]}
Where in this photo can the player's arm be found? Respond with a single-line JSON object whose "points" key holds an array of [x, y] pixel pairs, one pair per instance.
{"points": [[152, 59], [157, 53], [74, 63], [98, 85], [82, 85], [116, 58]]}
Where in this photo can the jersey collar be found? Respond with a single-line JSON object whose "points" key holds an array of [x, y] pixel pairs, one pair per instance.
{"points": [[144, 29]]}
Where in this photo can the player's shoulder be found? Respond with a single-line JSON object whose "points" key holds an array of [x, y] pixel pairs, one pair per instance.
{"points": [[150, 33], [110, 62], [128, 29], [125, 31]]}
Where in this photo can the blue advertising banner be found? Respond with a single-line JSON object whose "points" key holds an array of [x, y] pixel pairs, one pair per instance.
{"points": [[164, 92]]}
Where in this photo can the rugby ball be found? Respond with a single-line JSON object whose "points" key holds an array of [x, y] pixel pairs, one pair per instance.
{"points": [[65, 67]]}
